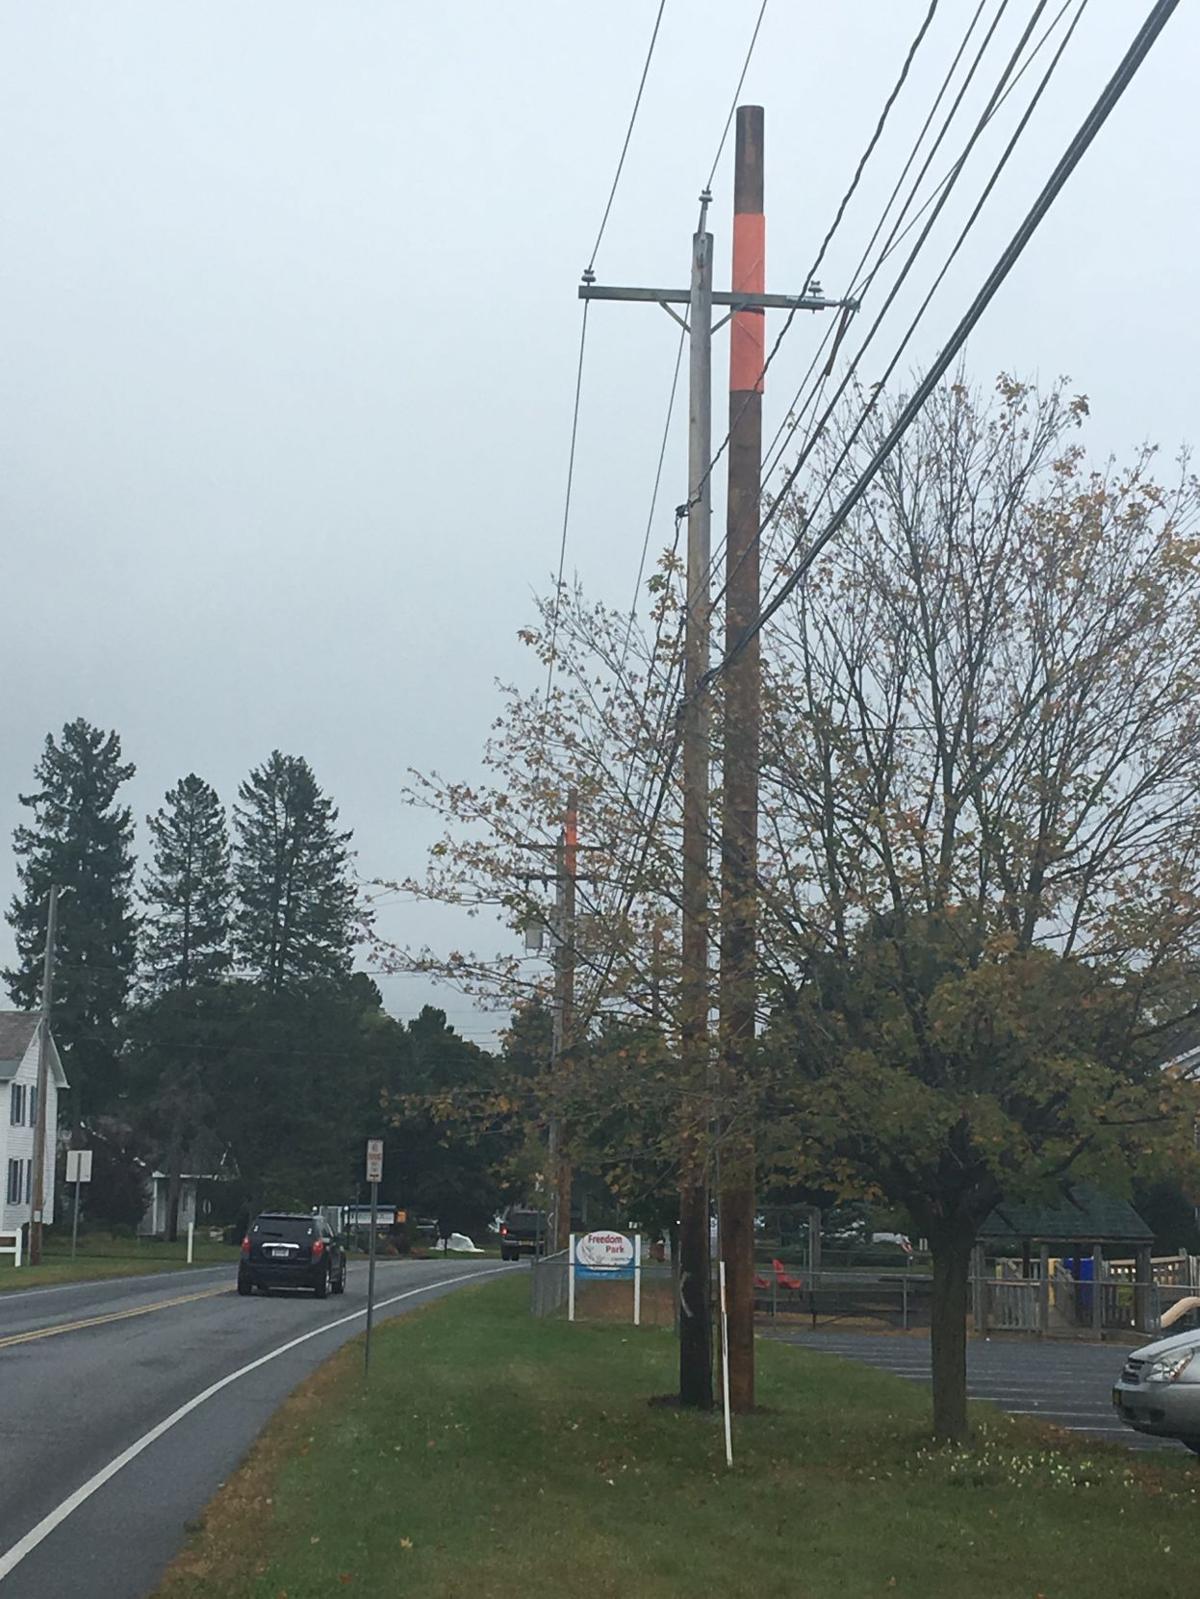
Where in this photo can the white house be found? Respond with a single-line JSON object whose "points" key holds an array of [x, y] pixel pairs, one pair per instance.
{"points": [[194, 1204], [19, 1033]]}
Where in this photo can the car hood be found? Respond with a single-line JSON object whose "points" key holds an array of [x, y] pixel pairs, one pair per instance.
{"points": [[1167, 1346]]}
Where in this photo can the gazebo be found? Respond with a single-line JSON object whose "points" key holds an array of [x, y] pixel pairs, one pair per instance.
{"points": [[1081, 1226]]}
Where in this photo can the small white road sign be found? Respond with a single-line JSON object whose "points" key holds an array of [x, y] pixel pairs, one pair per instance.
{"points": [[79, 1165], [374, 1160]]}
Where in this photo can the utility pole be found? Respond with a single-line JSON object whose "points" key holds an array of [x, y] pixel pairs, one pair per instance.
{"points": [[695, 1267], [43, 1079], [565, 870], [742, 747]]}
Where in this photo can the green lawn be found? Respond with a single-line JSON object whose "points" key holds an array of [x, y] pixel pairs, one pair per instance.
{"points": [[496, 1456], [101, 1255]]}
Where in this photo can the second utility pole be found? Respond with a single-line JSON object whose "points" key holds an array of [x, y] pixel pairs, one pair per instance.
{"points": [[695, 1266], [38, 1175], [565, 870]]}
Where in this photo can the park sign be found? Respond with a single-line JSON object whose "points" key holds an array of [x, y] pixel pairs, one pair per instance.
{"points": [[374, 1160], [604, 1254]]}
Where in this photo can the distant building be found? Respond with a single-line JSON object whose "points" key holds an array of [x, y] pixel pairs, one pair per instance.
{"points": [[19, 1035]]}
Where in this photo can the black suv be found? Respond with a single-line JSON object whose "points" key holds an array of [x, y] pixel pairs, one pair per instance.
{"points": [[291, 1251], [522, 1232]]}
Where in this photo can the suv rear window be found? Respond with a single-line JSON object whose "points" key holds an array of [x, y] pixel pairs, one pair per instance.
{"points": [[286, 1229], [524, 1218]]}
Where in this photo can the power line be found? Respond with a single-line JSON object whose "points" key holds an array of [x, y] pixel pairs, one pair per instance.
{"points": [[841, 211], [566, 519], [588, 272], [900, 230], [612, 193], [893, 363], [662, 454], [736, 93], [981, 124], [1157, 19], [854, 280]]}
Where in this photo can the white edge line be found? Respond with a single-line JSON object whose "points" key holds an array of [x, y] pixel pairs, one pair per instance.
{"points": [[19, 1295], [13, 1557]]}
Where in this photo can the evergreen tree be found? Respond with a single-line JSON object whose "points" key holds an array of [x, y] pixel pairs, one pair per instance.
{"points": [[186, 939], [295, 895], [80, 838]]}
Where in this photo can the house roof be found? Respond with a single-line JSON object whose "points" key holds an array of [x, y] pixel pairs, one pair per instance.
{"points": [[1084, 1215], [18, 1029]]}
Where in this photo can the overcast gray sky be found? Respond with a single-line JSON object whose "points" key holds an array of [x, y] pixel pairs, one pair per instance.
{"points": [[289, 322]]}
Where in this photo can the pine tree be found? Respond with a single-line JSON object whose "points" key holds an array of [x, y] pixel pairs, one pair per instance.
{"points": [[295, 895], [187, 892], [80, 838]]}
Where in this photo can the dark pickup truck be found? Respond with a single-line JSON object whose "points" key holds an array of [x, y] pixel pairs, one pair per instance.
{"points": [[522, 1232]]}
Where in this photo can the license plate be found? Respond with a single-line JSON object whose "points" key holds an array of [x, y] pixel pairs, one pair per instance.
{"points": [[279, 1254]]}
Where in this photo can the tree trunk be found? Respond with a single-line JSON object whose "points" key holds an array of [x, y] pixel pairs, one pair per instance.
{"points": [[951, 1280], [695, 1300], [737, 1245]]}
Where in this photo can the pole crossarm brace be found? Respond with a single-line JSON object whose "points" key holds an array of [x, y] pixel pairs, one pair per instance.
{"points": [[736, 302]]}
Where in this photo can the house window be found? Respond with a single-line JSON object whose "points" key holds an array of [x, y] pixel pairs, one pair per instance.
{"points": [[14, 1181], [16, 1104], [28, 1182], [33, 1104]]}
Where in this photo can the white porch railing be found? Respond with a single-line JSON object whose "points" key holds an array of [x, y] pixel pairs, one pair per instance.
{"points": [[10, 1244]]}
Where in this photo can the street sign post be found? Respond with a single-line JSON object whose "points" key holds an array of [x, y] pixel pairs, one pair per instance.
{"points": [[374, 1177], [79, 1170]]}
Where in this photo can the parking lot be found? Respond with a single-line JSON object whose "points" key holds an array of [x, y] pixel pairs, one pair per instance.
{"points": [[1068, 1384]]}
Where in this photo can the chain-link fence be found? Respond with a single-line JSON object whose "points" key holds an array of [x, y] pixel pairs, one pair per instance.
{"points": [[549, 1284], [603, 1299], [900, 1300]]}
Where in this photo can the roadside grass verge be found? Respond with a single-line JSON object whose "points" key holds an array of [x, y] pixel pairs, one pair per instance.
{"points": [[493, 1455], [101, 1255]]}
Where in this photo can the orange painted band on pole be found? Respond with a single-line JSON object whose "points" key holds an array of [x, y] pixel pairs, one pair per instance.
{"points": [[748, 329], [571, 841]]}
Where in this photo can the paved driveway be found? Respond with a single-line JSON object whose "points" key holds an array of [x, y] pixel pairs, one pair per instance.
{"points": [[1068, 1384]]}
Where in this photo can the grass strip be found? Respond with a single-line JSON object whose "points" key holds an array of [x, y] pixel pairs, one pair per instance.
{"points": [[494, 1456], [108, 1260]]}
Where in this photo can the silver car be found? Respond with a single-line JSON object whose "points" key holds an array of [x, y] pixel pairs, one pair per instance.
{"points": [[1158, 1391]]}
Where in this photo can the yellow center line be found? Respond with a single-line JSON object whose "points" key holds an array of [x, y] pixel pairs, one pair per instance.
{"points": [[113, 1315]]}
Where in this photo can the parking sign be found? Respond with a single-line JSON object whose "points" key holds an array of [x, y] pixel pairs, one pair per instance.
{"points": [[374, 1160]]}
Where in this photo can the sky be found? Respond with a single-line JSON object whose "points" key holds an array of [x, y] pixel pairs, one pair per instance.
{"points": [[289, 327]]}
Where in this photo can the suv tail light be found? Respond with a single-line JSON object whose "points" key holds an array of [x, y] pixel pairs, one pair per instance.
{"points": [[504, 1232], [246, 1244], [318, 1248]]}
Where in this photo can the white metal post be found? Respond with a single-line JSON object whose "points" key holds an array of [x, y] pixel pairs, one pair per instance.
{"points": [[191, 1240], [571, 1277], [637, 1279], [725, 1367]]}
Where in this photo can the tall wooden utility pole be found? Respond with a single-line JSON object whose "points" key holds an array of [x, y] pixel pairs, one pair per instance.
{"points": [[742, 742], [565, 871], [695, 1319], [38, 1175]]}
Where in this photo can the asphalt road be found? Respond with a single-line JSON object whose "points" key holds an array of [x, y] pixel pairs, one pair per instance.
{"points": [[1068, 1384], [89, 1503]]}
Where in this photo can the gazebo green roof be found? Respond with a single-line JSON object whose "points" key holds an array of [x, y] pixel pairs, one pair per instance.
{"points": [[1084, 1215]]}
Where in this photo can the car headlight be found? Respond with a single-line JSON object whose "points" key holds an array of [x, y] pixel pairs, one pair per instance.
{"points": [[1171, 1368]]}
